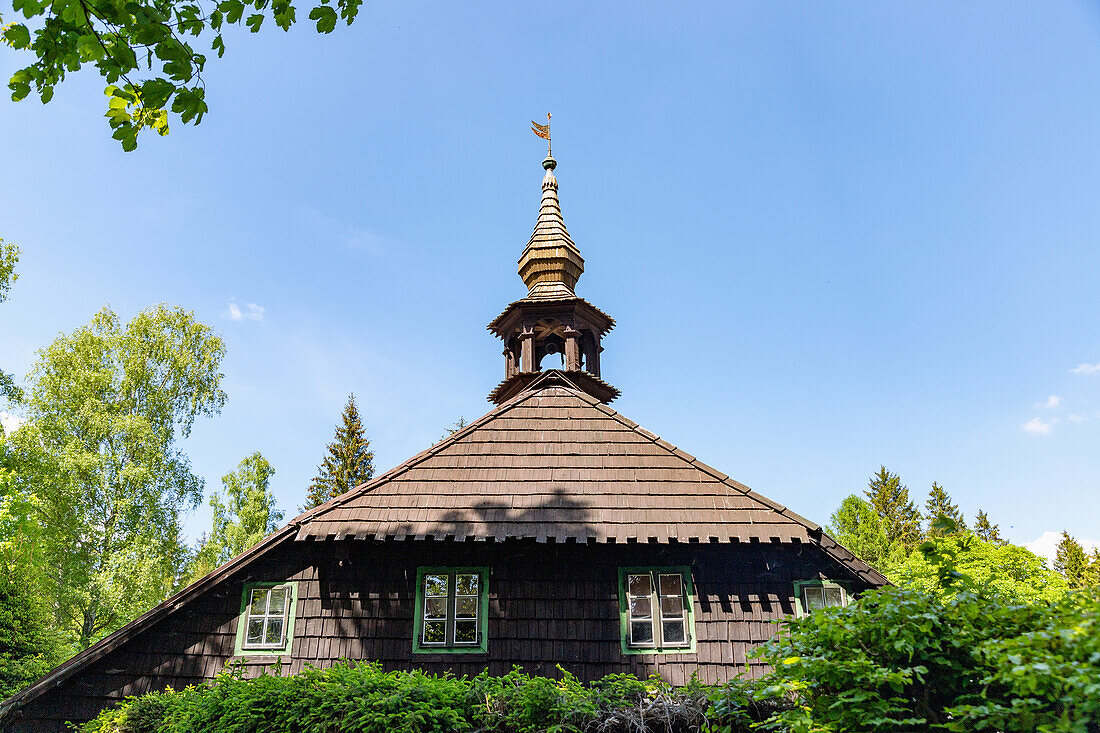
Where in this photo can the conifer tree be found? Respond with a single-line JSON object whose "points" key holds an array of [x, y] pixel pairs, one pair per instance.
{"points": [[939, 503], [986, 530], [1071, 561], [348, 461], [890, 499]]}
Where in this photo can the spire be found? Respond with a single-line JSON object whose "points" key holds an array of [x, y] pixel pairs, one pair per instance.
{"points": [[551, 263], [551, 336]]}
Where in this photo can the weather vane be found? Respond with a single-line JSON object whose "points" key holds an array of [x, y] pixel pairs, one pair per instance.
{"points": [[543, 131]]}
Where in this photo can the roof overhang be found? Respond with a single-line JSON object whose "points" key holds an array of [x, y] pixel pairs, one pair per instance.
{"points": [[508, 322]]}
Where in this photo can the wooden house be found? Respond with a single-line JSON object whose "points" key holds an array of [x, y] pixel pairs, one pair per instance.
{"points": [[552, 530]]}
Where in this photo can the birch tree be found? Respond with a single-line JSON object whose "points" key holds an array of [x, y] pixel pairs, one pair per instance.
{"points": [[100, 480]]}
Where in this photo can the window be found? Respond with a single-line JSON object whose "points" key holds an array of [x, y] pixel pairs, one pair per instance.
{"points": [[451, 610], [655, 606], [811, 595], [266, 623]]}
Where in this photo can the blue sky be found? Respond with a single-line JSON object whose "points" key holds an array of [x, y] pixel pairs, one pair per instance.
{"points": [[834, 235]]}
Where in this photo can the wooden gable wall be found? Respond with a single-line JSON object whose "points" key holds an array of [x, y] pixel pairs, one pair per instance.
{"points": [[549, 604]]}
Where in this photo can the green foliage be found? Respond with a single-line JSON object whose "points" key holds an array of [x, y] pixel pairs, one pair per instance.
{"points": [[361, 697], [9, 257], [249, 516], [890, 500], [348, 461], [1072, 562], [459, 424], [1008, 571], [940, 504], [95, 479], [896, 660], [143, 49], [28, 647], [986, 530], [1044, 679], [859, 528]]}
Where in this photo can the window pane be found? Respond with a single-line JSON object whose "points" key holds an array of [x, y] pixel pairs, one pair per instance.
{"points": [[435, 632], [466, 608], [814, 599], [673, 632], [255, 631], [274, 631], [466, 585], [641, 632], [465, 632], [639, 585], [258, 604], [834, 597], [276, 602], [672, 607], [640, 608], [671, 585], [435, 585], [435, 608]]}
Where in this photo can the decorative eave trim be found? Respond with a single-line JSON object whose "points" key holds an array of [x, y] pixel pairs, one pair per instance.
{"points": [[579, 380], [550, 304]]}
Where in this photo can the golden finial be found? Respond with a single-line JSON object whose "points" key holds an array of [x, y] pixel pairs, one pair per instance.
{"points": [[543, 131]]}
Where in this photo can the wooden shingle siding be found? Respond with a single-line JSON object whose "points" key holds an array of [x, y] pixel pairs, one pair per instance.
{"points": [[549, 604]]}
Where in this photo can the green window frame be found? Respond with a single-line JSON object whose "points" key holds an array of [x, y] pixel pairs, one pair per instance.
{"points": [[656, 610], [809, 595], [265, 626], [451, 615]]}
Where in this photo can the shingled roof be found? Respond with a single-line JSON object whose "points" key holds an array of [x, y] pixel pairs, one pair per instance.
{"points": [[554, 464]]}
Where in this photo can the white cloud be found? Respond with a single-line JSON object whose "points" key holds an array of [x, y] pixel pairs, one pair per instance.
{"points": [[1039, 426], [10, 422], [251, 312], [1078, 419], [1086, 368], [1046, 545], [1051, 403]]}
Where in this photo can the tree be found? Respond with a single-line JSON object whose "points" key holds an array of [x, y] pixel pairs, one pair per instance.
{"points": [[98, 469], [859, 528], [1071, 561], [9, 256], [940, 504], [890, 499], [986, 530], [348, 460], [247, 515], [1092, 573], [28, 648], [459, 424], [1011, 572], [143, 50]]}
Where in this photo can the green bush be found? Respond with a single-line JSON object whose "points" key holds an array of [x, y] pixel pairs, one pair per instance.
{"points": [[902, 660], [1045, 679], [363, 698]]}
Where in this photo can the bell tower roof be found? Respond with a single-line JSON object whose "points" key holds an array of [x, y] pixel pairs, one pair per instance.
{"points": [[551, 264], [551, 334]]}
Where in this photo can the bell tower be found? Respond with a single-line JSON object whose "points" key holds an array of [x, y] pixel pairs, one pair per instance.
{"points": [[552, 331]]}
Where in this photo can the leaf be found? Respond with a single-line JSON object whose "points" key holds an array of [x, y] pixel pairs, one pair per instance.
{"points": [[254, 22], [17, 35], [325, 17]]}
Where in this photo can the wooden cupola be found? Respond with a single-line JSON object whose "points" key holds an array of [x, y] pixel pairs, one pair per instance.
{"points": [[551, 324]]}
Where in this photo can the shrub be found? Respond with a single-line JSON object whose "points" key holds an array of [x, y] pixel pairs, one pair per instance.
{"points": [[362, 698]]}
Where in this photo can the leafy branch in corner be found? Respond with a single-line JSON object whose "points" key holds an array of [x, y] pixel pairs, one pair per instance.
{"points": [[143, 48]]}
